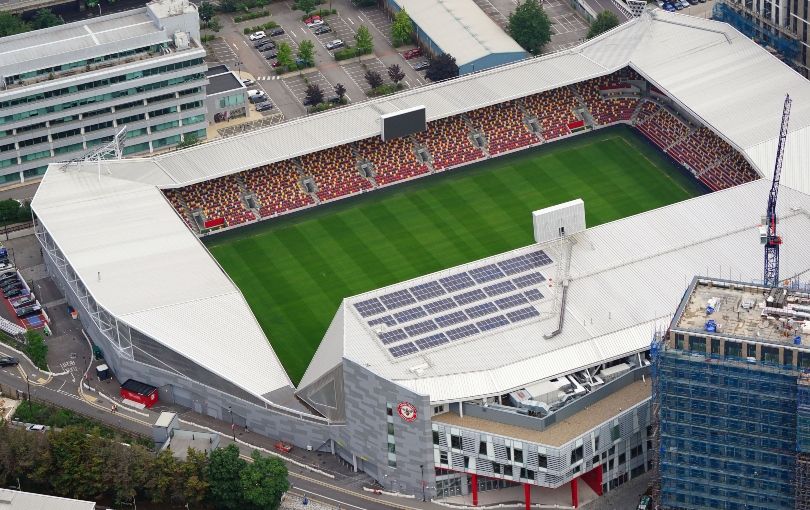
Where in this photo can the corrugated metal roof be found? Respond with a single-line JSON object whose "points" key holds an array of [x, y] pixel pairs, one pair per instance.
{"points": [[627, 277], [17, 500], [142, 264], [460, 28]]}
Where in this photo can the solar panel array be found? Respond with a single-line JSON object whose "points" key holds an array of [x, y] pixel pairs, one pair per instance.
{"points": [[460, 305]]}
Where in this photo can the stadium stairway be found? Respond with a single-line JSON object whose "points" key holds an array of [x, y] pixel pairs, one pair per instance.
{"points": [[582, 110], [418, 149], [476, 135], [531, 120]]}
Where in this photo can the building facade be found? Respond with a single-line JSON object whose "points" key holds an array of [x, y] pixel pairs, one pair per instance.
{"points": [[727, 383], [142, 69]]}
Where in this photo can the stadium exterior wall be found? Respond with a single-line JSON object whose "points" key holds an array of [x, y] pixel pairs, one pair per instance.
{"points": [[368, 422], [175, 388]]}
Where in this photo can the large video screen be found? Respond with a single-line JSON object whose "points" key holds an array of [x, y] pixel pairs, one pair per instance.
{"points": [[403, 123]]}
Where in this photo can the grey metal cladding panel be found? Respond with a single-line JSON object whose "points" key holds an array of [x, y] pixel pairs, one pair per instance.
{"points": [[499, 449], [469, 443]]}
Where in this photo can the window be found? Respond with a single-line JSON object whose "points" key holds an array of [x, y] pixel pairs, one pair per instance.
{"points": [[455, 442], [96, 127], [596, 443], [66, 134], [36, 155], [166, 125], [715, 346], [733, 349], [159, 98], [636, 451], [496, 468], [436, 409], [466, 462], [171, 140], [234, 100], [134, 133], [751, 350], [622, 458], [392, 463], [390, 429], [33, 141], [389, 410], [612, 448], [542, 461], [697, 343], [191, 105], [518, 455], [679, 341], [788, 357], [8, 162], [436, 437], [615, 433], [482, 448], [770, 354], [610, 464], [527, 473], [508, 453], [162, 111], [132, 149], [35, 172], [68, 148], [576, 455], [7, 147], [392, 448], [507, 470], [131, 118], [443, 458]]}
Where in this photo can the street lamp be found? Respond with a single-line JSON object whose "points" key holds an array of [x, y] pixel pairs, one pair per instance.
{"points": [[422, 468], [233, 429], [28, 383]]}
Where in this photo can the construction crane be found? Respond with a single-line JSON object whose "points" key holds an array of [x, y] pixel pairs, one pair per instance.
{"points": [[767, 234]]}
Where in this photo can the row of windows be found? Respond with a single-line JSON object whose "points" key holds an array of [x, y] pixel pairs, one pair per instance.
{"points": [[234, 100], [105, 82], [768, 354], [100, 98]]}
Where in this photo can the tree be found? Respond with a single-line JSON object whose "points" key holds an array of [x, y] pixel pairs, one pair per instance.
{"points": [[213, 25], [373, 78], [314, 94], [188, 141], [307, 6], [228, 5], [340, 91], [225, 478], [395, 73], [443, 67], [45, 18], [401, 28], [264, 481], [284, 55], [206, 11], [306, 52], [604, 21], [530, 27], [11, 24], [365, 43], [194, 476]]}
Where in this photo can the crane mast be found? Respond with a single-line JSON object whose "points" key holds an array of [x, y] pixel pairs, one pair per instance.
{"points": [[768, 234]]}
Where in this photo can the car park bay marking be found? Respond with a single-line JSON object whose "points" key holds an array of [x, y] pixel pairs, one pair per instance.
{"points": [[350, 21]]}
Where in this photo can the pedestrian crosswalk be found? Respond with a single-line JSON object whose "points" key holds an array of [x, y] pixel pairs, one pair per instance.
{"points": [[268, 78]]}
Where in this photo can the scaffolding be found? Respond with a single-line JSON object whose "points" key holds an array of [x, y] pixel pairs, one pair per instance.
{"points": [[760, 30], [725, 432]]}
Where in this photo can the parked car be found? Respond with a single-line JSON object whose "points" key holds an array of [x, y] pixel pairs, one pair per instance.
{"points": [[258, 99], [275, 63], [13, 293], [413, 53], [8, 276], [684, 4], [264, 106], [28, 310], [315, 23], [9, 281], [23, 300], [333, 45], [13, 286], [421, 65], [334, 100], [248, 83], [260, 43], [669, 7], [323, 29], [276, 32], [312, 18], [268, 45], [37, 428], [645, 503], [5, 264], [255, 36], [8, 361], [270, 55]]}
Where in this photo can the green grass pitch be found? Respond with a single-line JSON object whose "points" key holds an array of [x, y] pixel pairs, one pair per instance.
{"points": [[294, 271]]}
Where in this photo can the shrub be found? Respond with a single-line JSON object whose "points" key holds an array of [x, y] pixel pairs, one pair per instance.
{"points": [[321, 12], [267, 26], [251, 15], [207, 38], [385, 89]]}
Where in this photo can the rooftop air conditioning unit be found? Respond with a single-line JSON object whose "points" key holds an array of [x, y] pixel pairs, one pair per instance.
{"points": [[181, 40]]}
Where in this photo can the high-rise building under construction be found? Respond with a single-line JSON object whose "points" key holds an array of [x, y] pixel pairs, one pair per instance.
{"points": [[731, 399]]}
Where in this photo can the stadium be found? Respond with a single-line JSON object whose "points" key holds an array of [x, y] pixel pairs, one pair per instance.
{"points": [[492, 365]]}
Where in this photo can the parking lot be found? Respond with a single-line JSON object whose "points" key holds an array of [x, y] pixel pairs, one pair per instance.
{"points": [[378, 19], [357, 71], [339, 29], [567, 28], [222, 52], [297, 85]]}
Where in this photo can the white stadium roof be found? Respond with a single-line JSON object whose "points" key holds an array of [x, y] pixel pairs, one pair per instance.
{"points": [[627, 278], [118, 223], [142, 264]]}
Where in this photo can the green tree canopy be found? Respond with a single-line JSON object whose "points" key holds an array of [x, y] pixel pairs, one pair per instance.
{"points": [[206, 11], [365, 43], [340, 90], [11, 24], [284, 55], [442, 67], [306, 52], [225, 478], [530, 27], [604, 21], [264, 481], [45, 18], [307, 6], [401, 28]]}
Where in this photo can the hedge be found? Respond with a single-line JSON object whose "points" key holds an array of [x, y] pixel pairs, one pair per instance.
{"points": [[251, 15], [321, 12], [267, 26]]}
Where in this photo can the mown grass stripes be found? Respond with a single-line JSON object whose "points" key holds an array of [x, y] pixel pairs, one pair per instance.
{"points": [[294, 271]]}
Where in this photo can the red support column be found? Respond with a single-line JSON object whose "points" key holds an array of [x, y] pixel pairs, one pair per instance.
{"points": [[574, 493], [475, 489], [527, 495], [599, 480]]}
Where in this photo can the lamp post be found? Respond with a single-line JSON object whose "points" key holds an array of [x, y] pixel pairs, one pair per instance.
{"points": [[233, 430], [28, 384], [422, 469]]}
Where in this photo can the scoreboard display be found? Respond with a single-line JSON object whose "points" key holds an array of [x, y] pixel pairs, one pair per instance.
{"points": [[403, 123]]}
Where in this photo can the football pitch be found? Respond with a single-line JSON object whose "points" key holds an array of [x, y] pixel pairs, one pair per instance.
{"points": [[294, 271]]}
